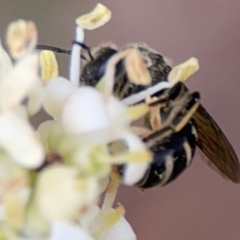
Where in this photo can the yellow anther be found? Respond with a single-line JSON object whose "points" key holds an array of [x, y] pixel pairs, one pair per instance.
{"points": [[49, 65], [21, 37], [98, 17], [182, 72]]}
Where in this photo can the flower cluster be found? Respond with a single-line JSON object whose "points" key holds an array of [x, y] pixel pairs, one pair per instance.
{"points": [[52, 177]]}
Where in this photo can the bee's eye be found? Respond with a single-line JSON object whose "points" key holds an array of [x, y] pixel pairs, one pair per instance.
{"points": [[102, 59], [102, 69], [103, 66]]}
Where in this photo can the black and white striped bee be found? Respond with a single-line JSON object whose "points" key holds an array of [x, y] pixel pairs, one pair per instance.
{"points": [[184, 122]]}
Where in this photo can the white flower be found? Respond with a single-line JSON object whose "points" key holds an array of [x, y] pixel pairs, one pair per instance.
{"points": [[18, 138]]}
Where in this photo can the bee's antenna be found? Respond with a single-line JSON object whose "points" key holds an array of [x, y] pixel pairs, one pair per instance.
{"points": [[85, 47], [57, 50], [54, 49]]}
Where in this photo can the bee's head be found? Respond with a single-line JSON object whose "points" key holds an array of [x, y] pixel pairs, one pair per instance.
{"points": [[94, 68]]}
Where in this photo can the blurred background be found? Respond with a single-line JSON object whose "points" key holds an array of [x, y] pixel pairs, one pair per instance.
{"points": [[200, 205]]}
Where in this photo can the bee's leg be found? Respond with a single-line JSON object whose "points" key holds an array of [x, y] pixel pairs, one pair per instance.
{"points": [[157, 103], [159, 135], [111, 193], [179, 116], [168, 95], [183, 117], [154, 117]]}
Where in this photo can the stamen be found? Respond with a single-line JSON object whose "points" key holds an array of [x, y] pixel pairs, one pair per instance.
{"points": [[138, 97], [110, 195], [178, 74], [136, 68], [141, 156], [21, 38], [109, 220], [113, 217], [137, 111], [134, 156], [75, 59], [109, 78], [98, 17]]}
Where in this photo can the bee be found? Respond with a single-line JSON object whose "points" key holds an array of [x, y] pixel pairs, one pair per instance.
{"points": [[185, 123]]}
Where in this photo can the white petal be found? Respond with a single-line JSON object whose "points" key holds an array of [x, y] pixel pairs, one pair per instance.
{"points": [[117, 112], [15, 203], [133, 172], [64, 231], [52, 137], [17, 83], [60, 184], [85, 111], [9, 170], [2, 213], [44, 131], [34, 103], [5, 63], [122, 230], [89, 217], [18, 139], [55, 95], [21, 111], [103, 183]]}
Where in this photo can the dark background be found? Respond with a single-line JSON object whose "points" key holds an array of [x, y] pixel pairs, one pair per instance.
{"points": [[200, 205]]}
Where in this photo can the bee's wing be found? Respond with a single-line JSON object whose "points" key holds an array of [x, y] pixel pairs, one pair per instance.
{"points": [[215, 145]]}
